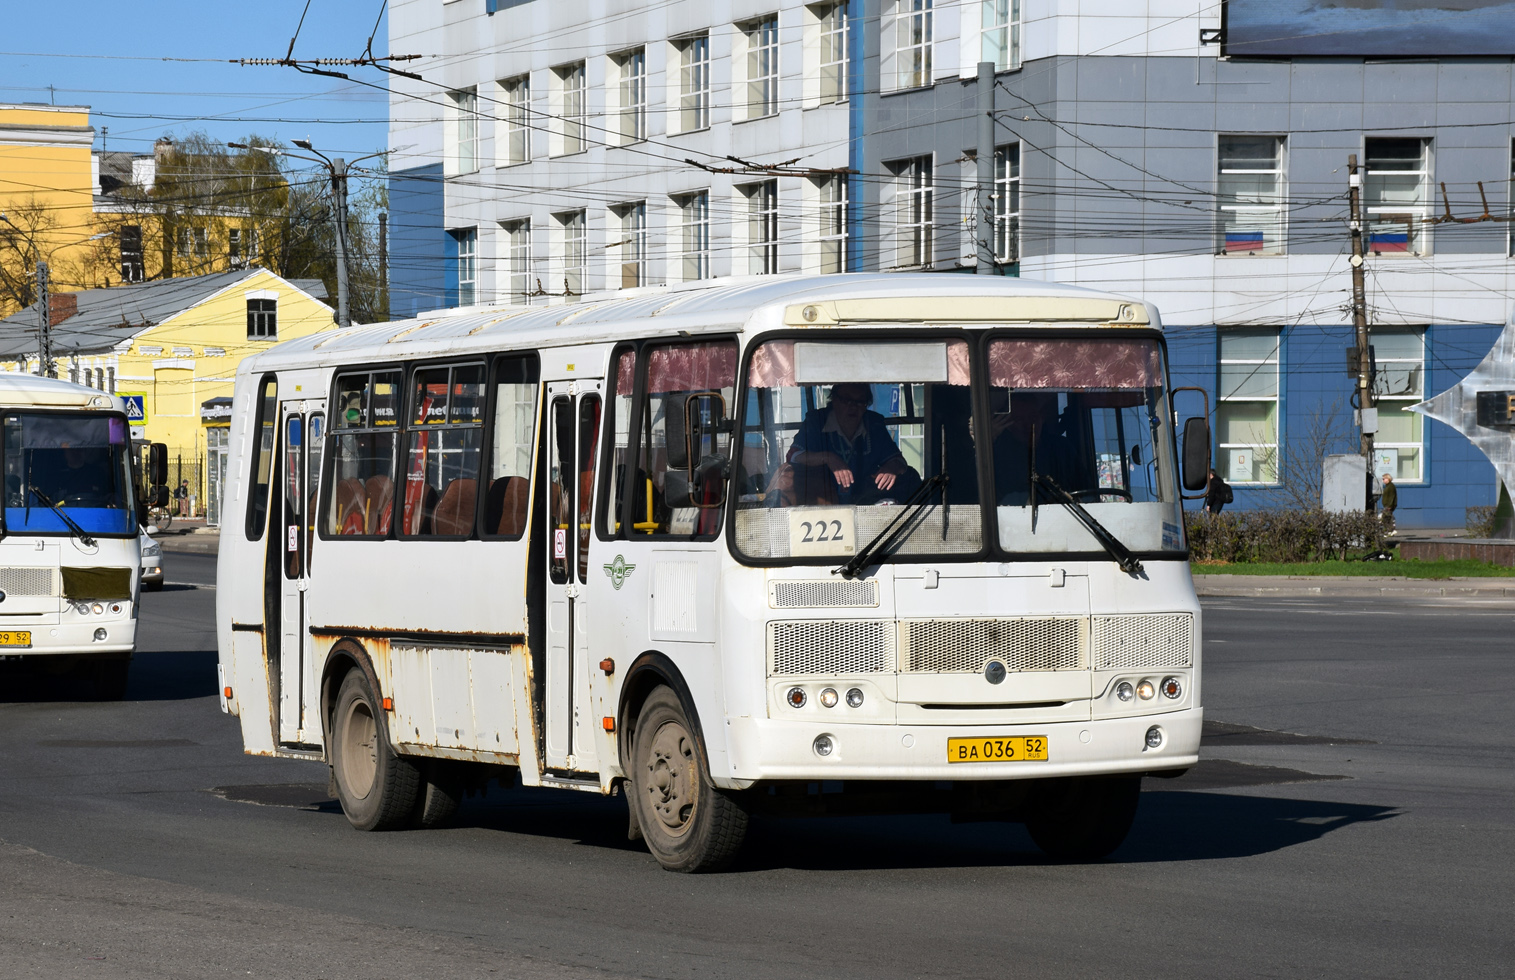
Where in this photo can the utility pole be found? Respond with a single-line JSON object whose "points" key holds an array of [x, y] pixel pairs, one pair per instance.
{"points": [[1365, 405], [44, 325], [984, 233], [384, 262], [339, 198]]}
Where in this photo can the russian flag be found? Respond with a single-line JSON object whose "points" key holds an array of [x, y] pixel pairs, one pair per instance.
{"points": [[1244, 241], [1388, 241]]}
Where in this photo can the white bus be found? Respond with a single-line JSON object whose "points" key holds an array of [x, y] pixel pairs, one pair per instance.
{"points": [[790, 545], [70, 558]]}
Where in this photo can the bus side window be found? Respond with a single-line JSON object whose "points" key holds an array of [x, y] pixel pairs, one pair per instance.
{"points": [[264, 427], [675, 372], [613, 497], [359, 494], [511, 441], [445, 442]]}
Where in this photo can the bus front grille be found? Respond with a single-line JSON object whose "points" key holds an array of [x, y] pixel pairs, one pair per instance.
{"points": [[817, 594], [1129, 642], [847, 646], [28, 581], [967, 645]]}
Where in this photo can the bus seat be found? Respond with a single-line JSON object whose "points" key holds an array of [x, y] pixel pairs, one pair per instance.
{"points": [[419, 520], [454, 513], [381, 497], [505, 507], [348, 498]]}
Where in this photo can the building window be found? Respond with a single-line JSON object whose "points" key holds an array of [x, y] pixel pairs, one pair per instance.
{"points": [[574, 229], [1001, 38], [570, 108], [132, 268], [468, 265], [913, 42], [262, 321], [1396, 194], [234, 247], [762, 227], [694, 228], [1246, 417], [631, 95], [515, 93], [1251, 195], [1007, 203], [632, 245], [110, 380], [912, 211], [831, 203], [518, 260], [831, 20], [1399, 358], [465, 112], [694, 82], [193, 242], [762, 66]]}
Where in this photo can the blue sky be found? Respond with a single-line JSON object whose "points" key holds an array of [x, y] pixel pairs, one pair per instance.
{"points": [[109, 56]]}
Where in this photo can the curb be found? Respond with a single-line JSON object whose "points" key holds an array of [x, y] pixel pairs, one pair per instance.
{"points": [[194, 544], [1350, 587]]}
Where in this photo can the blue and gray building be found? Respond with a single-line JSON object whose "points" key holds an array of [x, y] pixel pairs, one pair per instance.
{"points": [[1192, 153]]}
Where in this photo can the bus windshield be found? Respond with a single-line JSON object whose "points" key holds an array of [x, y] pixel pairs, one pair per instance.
{"points": [[836, 435], [79, 463]]}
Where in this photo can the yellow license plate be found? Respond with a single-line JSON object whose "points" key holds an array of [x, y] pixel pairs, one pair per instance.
{"points": [[16, 638], [1009, 748]]}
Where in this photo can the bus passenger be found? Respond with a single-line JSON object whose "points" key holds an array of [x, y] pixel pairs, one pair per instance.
{"points": [[854, 444]]}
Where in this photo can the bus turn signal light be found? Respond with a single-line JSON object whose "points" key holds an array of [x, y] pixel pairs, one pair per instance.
{"points": [[389, 704], [226, 692], [607, 721], [608, 666]]}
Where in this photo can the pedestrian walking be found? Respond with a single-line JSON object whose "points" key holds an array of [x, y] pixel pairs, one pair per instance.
{"points": [[181, 494], [1217, 493], [1388, 500]]}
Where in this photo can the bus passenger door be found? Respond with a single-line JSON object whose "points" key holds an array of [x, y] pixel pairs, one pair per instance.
{"points": [[301, 432], [572, 433]]}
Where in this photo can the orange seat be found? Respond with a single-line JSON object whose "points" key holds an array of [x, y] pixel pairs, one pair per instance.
{"points": [[380, 494], [454, 513], [349, 500], [505, 507]]}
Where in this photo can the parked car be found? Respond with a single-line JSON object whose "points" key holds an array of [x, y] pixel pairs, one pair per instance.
{"points": [[152, 564]]}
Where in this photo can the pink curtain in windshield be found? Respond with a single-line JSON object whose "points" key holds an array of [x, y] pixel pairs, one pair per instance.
{"points": [[1074, 364], [692, 367], [773, 364], [625, 372]]}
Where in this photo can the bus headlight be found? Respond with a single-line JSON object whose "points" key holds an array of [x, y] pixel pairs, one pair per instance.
{"points": [[98, 609], [100, 635], [855, 697], [796, 697], [1154, 737], [823, 745], [1146, 691], [1173, 688], [1124, 691], [829, 698]]}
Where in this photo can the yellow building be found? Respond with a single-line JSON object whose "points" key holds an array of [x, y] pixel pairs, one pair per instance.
{"points": [[169, 347]]}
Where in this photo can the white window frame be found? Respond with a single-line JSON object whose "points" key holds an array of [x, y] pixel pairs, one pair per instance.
{"points": [[570, 92], [1412, 220], [1264, 455], [463, 109], [1394, 398], [756, 59], [518, 260], [631, 95], [514, 139], [1000, 33], [694, 235], [1007, 203], [827, 252], [692, 64], [914, 44], [1237, 219], [914, 211], [573, 253], [468, 265], [631, 245], [762, 206], [832, 65]]}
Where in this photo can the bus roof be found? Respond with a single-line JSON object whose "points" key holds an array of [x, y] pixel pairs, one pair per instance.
{"points": [[32, 390], [715, 306]]}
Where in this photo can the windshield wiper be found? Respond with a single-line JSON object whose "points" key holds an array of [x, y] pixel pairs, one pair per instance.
{"points": [[891, 532], [1108, 541], [73, 528]]}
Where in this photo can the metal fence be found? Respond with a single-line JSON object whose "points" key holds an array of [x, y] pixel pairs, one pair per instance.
{"points": [[186, 467]]}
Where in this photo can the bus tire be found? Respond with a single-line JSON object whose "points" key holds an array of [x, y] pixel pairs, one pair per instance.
{"points": [[440, 794], [1084, 818], [688, 824], [378, 788]]}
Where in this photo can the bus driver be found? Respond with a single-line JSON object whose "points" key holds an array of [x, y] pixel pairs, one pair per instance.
{"points": [[853, 443]]}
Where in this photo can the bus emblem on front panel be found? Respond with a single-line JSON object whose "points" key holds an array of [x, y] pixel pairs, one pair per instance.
{"points": [[619, 571]]}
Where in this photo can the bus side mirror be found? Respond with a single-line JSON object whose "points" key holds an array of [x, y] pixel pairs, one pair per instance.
{"points": [[158, 497], [157, 465], [1196, 453]]}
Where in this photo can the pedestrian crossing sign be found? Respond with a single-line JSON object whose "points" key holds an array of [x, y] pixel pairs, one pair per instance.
{"points": [[136, 406]]}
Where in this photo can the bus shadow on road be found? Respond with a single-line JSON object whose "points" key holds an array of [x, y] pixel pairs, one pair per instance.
{"points": [[154, 676]]}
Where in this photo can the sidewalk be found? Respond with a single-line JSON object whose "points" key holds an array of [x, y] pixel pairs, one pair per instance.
{"points": [[189, 536], [1347, 587]]}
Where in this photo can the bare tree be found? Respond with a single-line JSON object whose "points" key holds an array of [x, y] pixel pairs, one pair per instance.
{"points": [[1321, 432]]}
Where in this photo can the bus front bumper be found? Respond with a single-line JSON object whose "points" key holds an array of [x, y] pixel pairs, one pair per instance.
{"points": [[72, 639], [763, 749]]}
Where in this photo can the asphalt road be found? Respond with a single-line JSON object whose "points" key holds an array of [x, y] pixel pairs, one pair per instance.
{"points": [[1381, 844]]}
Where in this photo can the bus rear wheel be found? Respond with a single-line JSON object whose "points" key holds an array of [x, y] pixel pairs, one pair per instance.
{"points": [[378, 788], [689, 825], [1084, 818]]}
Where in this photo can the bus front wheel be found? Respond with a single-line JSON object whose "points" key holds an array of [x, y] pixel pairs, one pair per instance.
{"points": [[689, 825], [378, 788], [1084, 818]]}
